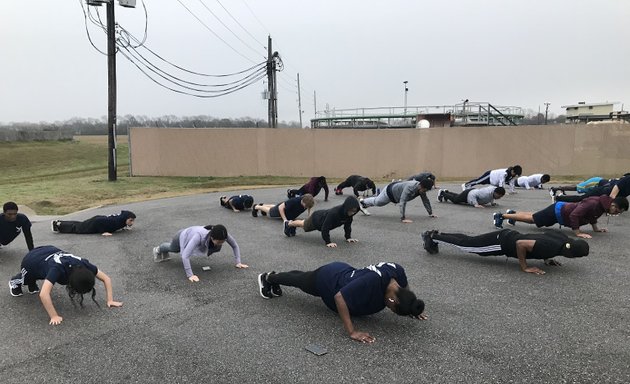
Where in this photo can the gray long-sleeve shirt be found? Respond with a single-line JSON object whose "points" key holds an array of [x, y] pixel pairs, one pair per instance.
{"points": [[405, 191], [481, 196], [192, 242]]}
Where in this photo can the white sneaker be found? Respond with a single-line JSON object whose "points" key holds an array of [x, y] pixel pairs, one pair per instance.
{"points": [[364, 211]]}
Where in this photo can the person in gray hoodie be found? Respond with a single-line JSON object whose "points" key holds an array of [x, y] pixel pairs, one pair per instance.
{"points": [[400, 192], [478, 198], [198, 241]]}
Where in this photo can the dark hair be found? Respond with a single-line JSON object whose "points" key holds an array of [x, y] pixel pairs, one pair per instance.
{"points": [[217, 232], [500, 191], [9, 206], [545, 178], [427, 184], [621, 202], [408, 304], [518, 170], [223, 202], [248, 201], [80, 281]]}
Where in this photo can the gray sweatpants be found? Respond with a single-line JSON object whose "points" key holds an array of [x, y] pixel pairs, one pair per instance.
{"points": [[173, 246], [379, 200]]}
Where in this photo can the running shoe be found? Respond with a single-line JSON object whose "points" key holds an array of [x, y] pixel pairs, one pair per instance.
{"points": [[498, 219], [264, 287]]}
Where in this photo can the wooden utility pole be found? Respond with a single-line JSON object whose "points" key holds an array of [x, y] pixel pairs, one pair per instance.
{"points": [[111, 86], [315, 103], [299, 100], [546, 111], [271, 86]]}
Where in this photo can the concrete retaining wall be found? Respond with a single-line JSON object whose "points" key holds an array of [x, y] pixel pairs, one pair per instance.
{"points": [[460, 152]]}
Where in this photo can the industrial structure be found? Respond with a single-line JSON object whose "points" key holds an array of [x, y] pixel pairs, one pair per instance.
{"points": [[471, 114]]}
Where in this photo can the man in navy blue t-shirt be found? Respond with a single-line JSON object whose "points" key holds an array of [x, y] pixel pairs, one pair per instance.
{"points": [[350, 291], [237, 203], [13, 223]]}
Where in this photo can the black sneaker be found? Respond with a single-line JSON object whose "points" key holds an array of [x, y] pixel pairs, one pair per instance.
{"points": [[293, 231], [428, 244], [338, 192], [275, 288], [33, 288], [440, 196], [264, 286], [54, 225], [15, 289], [511, 221], [287, 229], [255, 211], [289, 194]]}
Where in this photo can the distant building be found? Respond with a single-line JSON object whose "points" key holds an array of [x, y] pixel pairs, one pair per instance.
{"points": [[591, 112]]}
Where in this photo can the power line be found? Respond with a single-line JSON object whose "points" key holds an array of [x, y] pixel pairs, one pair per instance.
{"points": [[214, 33], [240, 25], [129, 35], [252, 81], [228, 28]]}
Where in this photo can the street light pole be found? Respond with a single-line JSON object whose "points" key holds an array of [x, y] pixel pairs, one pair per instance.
{"points": [[406, 89]]}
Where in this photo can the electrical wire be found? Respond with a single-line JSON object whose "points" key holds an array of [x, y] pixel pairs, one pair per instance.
{"points": [[228, 28], [130, 36], [176, 80], [188, 93], [87, 31], [241, 25], [214, 33]]}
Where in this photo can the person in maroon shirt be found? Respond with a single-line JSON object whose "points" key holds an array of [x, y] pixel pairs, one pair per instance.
{"points": [[314, 185], [572, 215]]}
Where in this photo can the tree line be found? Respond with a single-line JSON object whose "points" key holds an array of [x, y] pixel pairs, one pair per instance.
{"points": [[93, 126]]}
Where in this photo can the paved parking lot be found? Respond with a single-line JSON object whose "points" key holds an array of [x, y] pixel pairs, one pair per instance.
{"points": [[488, 322]]}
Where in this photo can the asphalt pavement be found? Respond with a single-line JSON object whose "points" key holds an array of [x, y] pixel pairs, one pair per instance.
{"points": [[488, 321]]}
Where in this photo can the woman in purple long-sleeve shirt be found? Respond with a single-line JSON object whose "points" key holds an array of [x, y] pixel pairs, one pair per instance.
{"points": [[197, 241]]}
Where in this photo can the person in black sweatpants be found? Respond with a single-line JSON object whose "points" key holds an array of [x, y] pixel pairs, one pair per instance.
{"points": [[105, 225], [511, 244]]}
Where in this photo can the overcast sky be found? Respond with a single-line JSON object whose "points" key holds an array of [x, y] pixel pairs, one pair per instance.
{"points": [[352, 53]]}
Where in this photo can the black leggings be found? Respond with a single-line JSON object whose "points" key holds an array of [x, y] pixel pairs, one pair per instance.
{"points": [[306, 281], [457, 198], [487, 244]]}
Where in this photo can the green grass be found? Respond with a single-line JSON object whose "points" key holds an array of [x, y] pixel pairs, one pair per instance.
{"points": [[55, 178]]}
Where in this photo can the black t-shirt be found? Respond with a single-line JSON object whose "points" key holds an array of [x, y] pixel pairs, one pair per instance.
{"points": [[293, 208], [548, 244], [9, 230]]}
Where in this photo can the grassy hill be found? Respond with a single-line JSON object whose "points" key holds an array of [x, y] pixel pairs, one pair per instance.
{"points": [[55, 178]]}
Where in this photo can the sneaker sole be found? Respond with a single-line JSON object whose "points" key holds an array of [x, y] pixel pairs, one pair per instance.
{"points": [[260, 287], [10, 291]]}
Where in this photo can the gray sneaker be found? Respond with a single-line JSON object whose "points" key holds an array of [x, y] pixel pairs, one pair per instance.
{"points": [[158, 256]]}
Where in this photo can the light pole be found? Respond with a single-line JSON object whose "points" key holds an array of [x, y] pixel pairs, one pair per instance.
{"points": [[406, 90], [111, 80]]}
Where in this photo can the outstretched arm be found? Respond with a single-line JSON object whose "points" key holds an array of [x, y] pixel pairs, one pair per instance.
{"points": [[344, 314], [44, 296], [108, 289], [28, 236], [522, 247]]}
